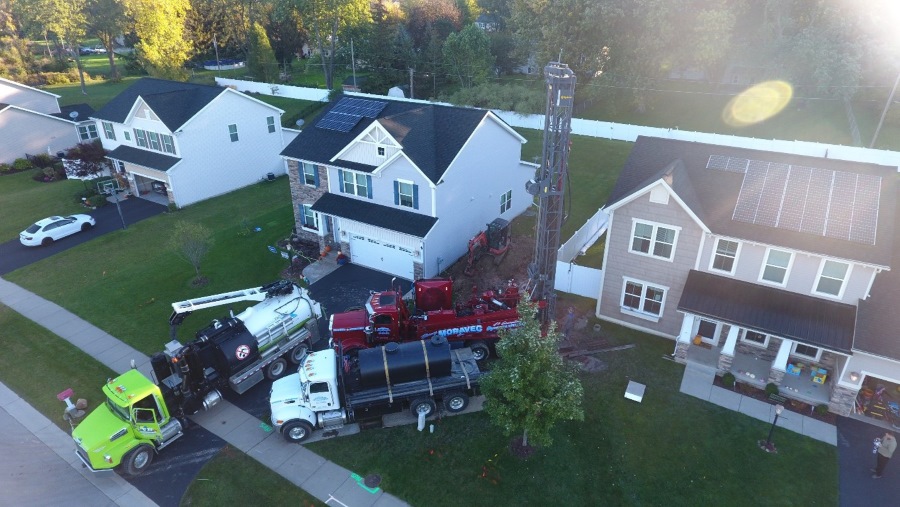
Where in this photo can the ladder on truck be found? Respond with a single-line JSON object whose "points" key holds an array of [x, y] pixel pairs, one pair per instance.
{"points": [[182, 309]]}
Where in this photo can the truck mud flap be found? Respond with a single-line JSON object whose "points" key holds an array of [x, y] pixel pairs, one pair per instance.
{"points": [[247, 383]]}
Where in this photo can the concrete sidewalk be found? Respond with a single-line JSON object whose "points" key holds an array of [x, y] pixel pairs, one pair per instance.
{"points": [[322, 479], [698, 382], [36, 454]]}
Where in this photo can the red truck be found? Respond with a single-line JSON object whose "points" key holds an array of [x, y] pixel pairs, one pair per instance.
{"points": [[387, 318]]}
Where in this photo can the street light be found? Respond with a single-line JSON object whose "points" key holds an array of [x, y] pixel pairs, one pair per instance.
{"points": [[768, 446]]}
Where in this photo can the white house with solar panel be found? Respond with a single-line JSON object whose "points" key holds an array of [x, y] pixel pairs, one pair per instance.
{"points": [[400, 185], [777, 268]]}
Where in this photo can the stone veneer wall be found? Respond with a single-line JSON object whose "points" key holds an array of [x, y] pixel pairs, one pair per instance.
{"points": [[725, 361], [764, 354], [775, 376], [842, 400], [305, 194], [681, 349]]}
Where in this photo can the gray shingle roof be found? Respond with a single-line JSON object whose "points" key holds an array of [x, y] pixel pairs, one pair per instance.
{"points": [[431, 135], [393, 219], [807, 319], [173, 101], [144, 158], [712, 194]]}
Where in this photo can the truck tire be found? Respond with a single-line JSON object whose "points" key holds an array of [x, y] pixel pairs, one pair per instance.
{"points": [[480, 350], [422, 405], [456, 402], [276, 368], [298, 353], [296, 431], [138, 460]]}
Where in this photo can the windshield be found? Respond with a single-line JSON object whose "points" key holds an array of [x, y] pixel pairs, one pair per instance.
{"points": [[122, 412], [33, 229]]}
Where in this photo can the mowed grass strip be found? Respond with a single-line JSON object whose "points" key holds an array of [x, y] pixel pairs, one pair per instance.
{"points": [[670, 449], [124, 282]]}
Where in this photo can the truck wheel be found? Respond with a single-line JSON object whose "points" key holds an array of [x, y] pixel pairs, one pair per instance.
{"points": [[137, 460], [298, 353], [480, 351], [296, 431], [422, 405], [456, 402], [276, 368]]}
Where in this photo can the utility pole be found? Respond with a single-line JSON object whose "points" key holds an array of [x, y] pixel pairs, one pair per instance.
{"points": [[411, 94], [353, 63], [216, 45], [887, 106], [549, 186]]}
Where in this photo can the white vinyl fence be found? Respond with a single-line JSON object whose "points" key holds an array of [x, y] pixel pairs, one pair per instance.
{"points": [[280, 90], [575, 279]]}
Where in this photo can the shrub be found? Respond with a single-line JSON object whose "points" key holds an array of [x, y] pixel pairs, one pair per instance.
{"points": [[42, 160], [22, 164], [728, 379], [771, 388], [5, 168], [822, 409]]}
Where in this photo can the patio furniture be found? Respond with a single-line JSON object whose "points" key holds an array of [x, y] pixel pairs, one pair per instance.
{"points": [[793, 369], [818, 375]]}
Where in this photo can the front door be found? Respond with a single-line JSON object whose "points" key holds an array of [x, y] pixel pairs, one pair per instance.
{"points": [[709, 332]]}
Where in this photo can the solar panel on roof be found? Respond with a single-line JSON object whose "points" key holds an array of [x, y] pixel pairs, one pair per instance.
{"points": [[737, 165], [719, 162], [348, 112], [834, 204]]}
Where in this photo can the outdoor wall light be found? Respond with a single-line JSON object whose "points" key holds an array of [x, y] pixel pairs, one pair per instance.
{"points": [[854, 376]]}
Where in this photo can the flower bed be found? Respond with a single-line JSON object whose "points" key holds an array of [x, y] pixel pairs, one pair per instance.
{"points": [[796, 406]]}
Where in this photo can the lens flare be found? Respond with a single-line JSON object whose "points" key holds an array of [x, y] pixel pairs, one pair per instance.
{"points": [[757, 103]]}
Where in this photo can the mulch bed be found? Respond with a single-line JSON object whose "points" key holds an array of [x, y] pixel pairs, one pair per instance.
{"points": [[795, 406]]}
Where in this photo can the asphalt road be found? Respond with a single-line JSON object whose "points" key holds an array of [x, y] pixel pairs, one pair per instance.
{"points": [[855, 483], [14, 255]]}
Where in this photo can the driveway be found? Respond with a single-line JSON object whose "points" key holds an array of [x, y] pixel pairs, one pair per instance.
{"points": [[855, 458], [13, 255]]}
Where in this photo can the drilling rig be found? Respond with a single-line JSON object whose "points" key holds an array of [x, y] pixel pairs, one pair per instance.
{"points": [[549, 186]]}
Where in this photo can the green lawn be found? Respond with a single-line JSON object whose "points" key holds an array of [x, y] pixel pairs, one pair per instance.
{"points": [[91, 279], [25, 201], [669, 450]]}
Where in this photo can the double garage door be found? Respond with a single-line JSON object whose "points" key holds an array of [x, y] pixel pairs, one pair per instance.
{"points": [[382, 256]]}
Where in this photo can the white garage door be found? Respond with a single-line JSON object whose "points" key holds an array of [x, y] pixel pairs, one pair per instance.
{"points": [[381, 256]]}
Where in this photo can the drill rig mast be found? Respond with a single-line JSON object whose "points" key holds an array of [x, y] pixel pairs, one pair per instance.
{"points": [[549, 186]]}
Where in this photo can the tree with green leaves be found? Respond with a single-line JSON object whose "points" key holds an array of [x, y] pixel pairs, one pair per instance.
{"points": [[530, 388], [107, 21], [329, 20], [66, 20], [260, 58], [191, 241], [467, 56], [162, 49]]}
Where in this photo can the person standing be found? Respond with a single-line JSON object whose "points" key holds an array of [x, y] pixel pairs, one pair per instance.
{"points": [[885, 451]]}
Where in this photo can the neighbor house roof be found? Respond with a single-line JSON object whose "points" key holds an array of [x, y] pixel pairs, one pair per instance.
{"points": [[394, 219], [712, 194], [431, 135], [878, 325], [174, 102], [84, 112], [144, 158], [800, 317]]}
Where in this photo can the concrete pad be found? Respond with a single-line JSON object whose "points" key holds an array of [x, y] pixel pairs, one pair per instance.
{"points": [[273, 451], [697, 383], [325, 480], [223, 421], [27, 416], [73, 328], [301, 466], [387, 500], [635, 391], [98, 345], [60, 321], [110, 484], [725, 398], [790, 421], [83, 335], [353, 493], [7, 395], [819, 430], [247, 435], [134, 498], [57, 440], [756, 409]]}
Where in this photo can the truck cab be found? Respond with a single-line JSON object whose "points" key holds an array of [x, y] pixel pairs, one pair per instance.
{"points": [[133, 422], [309, 398]]}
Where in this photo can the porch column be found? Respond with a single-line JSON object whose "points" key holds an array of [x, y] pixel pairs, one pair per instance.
{"points": [[779, 364], [683, 342], [726, 358]]}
